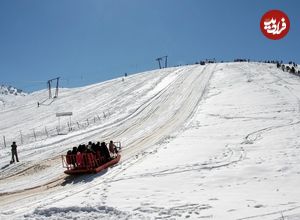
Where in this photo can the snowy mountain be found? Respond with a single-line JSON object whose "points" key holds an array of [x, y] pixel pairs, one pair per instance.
{"points": [[219, 141], [9, 94], [9, 90]]}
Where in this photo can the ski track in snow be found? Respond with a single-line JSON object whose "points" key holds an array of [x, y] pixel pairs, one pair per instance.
{"points": [[162, 95], [83, 136], [236, 132]]}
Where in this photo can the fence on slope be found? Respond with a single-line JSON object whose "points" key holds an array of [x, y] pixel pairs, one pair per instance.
{"points": [[36, 134]]}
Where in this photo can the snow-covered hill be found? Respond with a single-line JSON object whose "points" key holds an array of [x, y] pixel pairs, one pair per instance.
{"points": [[9, 90], [219, 141], [9, 94]]}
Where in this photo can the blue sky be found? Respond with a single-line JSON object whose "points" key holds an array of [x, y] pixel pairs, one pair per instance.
{"points": [[89, 41]]}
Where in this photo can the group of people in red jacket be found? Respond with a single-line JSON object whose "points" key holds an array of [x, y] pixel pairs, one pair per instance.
{"points": [[91, 155]]}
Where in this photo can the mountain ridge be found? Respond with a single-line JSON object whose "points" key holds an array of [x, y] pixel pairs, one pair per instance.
{"points": [[10, 90]]}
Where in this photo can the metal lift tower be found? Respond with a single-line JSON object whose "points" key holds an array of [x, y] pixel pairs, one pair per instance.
{"points": [[159, 59], [56, 89]]}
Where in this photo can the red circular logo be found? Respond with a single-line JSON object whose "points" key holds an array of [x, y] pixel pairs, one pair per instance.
{"points": [[275, 24]]}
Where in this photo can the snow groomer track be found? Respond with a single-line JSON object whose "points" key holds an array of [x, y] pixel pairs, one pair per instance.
{"points": [[150, 111], [219, 141]]}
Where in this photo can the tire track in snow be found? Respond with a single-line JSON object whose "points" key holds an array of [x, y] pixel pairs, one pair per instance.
{"points": [[193, 85], [227, 158], [277, 213], [253, 136], [95, 130], [133, 115]]}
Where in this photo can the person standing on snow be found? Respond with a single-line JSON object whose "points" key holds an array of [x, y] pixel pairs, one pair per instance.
{"points": [[14, 152], [112, 148]]}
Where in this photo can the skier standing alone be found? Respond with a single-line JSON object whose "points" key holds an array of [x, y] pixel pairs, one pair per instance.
{"points": [[14, 152]]}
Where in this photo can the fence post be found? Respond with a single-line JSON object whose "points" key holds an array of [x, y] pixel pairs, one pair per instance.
{"points": [[69, 126], [34, 134], [21, 137], [87, 120], [46, 132], [4, 141], [78, 125]]}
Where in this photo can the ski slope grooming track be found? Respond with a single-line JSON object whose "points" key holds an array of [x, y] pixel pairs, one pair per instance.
{"points": [[164, 111], [173, 106], [63, 142], [219, 141]]}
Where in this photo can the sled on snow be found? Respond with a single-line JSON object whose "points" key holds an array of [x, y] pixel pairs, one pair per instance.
{"points": [[89, 162], [73, 169]]}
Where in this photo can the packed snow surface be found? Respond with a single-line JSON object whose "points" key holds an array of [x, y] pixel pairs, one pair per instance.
{"points": [[219, 141]]}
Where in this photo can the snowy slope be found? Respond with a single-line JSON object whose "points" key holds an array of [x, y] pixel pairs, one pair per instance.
{"points": [[219, 141]]}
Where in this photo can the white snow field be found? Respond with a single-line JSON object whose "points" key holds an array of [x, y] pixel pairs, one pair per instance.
{"points": [[220, 141]]}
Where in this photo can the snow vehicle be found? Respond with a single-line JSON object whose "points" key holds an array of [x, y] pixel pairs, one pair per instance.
{"points": [[85, 163]]}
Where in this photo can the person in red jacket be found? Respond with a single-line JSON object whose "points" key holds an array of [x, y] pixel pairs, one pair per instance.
{"points": [[79, 159]]}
